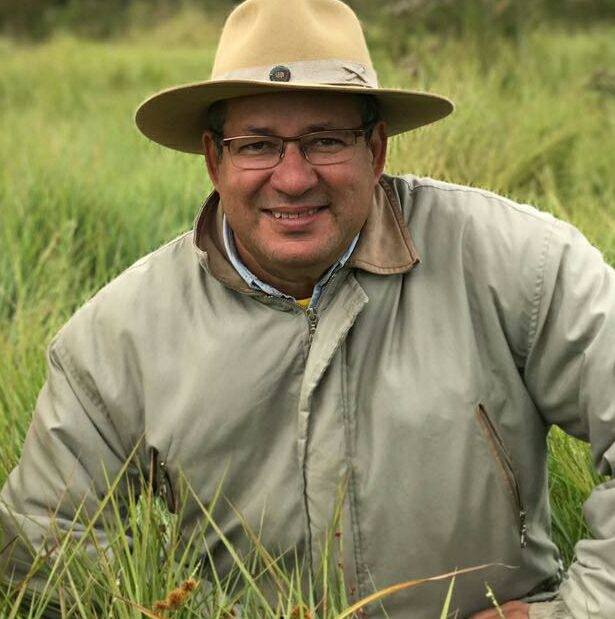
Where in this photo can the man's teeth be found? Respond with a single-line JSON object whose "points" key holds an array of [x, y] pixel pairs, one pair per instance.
{"points": [[279, 215]]}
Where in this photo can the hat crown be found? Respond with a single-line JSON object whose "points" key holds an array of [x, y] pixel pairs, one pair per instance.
{"points": [[272, 32]]}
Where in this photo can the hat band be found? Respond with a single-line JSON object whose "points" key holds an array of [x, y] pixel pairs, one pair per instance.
{"points": [[330, 71]]}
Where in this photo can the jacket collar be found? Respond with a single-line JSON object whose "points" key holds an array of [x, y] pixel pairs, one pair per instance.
{"points": [[384, 248]]}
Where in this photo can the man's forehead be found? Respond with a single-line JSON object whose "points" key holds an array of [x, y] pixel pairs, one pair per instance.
{"points": [[309, 111]]}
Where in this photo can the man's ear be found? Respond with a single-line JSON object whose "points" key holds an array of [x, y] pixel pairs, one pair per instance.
{"points": [[212, 158], [378, 148]]}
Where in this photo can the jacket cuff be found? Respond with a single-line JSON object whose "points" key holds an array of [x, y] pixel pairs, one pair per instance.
{"points": [[555, 609]]}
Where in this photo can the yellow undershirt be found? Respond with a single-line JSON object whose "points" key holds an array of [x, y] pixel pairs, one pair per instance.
{"points": [[303, 303]]}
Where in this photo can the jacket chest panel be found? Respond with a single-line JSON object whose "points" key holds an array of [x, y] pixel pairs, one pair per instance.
{"points": [[417, 373], [229, 416]]}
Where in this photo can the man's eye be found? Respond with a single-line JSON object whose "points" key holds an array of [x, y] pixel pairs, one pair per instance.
{"points": [[257, 148], [329, 142], [326, 143]]}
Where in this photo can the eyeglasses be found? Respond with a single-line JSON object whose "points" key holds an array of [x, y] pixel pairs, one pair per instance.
{"points": [[260, 152]]}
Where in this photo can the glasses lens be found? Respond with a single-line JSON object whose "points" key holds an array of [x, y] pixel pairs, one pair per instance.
{"points": [[256, 152], [329, 146]]}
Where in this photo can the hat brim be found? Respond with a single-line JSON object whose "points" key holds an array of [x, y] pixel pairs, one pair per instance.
{"points": [[176, 117]]}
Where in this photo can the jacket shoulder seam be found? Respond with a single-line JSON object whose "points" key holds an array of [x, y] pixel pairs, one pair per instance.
{"points": [[536, 302], [473, 190], [138, 263], [70, 369], [533, 303], [158, 250]]}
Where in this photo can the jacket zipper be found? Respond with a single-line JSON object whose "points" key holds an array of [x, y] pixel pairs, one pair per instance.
{"points": [[166, 490], [312, 318], [160, 481], [312, 313], [505, 462]]}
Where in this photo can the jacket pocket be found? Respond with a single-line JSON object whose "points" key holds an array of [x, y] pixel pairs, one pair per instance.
{"points": [[504, 463]]}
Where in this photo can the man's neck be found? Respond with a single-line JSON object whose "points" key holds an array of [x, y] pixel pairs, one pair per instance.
{"points": [[299, 284]]}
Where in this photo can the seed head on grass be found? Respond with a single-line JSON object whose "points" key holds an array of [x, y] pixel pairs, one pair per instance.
{"points": [[177, 597], [301, 612]]}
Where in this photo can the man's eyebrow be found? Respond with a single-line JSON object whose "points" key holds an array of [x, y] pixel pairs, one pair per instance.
{"points": [[258, 130], [320, 127], [323, 126]]}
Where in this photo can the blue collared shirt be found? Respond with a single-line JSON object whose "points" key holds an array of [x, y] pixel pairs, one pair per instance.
{"points": [[257, 284]]}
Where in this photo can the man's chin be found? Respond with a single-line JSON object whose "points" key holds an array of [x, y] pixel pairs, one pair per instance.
{"points": [[303, 261]]}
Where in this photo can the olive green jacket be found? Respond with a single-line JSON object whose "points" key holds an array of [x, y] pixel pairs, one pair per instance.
{"points": [[462, 327]]}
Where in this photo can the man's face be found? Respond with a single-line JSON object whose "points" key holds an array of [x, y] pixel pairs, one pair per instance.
{"points": [[307, 245]]}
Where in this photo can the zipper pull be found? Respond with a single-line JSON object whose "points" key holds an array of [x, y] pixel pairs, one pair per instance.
{"points": [[312, 318], [523, 528], [166, 490]]}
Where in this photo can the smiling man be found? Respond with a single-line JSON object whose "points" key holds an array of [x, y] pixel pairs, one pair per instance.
{"points": [[326, 325]]}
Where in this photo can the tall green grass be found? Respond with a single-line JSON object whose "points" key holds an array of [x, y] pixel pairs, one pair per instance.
{"points": [[83, 195], [148, 567], [38, 19]]}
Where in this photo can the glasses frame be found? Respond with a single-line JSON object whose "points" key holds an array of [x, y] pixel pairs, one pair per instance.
{"points": [[356, 131]]}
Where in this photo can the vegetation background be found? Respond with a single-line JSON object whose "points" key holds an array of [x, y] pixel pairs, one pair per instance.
{"points": [[83, 195]]}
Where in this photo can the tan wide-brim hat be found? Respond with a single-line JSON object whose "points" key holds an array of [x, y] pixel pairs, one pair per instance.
{"points": [[271, 46]]}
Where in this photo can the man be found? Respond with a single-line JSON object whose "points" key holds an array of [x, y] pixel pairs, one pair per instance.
{"points": [[328, 325]]}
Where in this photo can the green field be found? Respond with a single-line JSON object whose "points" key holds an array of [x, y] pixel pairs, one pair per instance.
{"points": [[83, 195]]}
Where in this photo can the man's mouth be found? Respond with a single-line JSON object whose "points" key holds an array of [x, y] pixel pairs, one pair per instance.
{"points": [[294, 213]]}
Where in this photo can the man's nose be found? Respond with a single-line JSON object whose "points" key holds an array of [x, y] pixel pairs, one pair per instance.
{"points": [[294, 175]]}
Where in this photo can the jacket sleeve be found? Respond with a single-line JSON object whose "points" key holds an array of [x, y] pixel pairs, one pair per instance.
{"points": [[570, 374], [71, 454]]}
